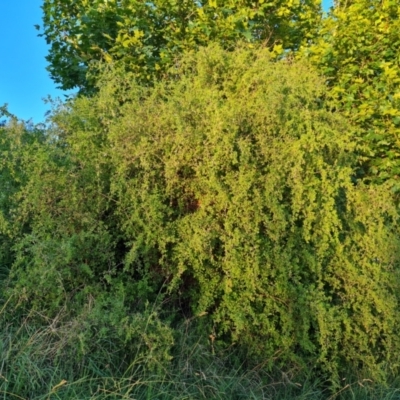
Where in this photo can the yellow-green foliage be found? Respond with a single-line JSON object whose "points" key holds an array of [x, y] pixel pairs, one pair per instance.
{"points": [[229, 188], [358, 52], [147, 36], [242, 181]]}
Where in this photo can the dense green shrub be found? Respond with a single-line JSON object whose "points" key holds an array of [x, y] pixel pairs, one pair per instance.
{"points": [[15, 137], [227, 190], [62, 257]]}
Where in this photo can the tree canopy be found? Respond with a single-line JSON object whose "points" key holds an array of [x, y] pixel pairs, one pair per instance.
{"points": [[146, 37], [358, 50]]}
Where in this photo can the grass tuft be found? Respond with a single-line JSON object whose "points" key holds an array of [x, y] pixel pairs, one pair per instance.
{"points": [[35, 366]]}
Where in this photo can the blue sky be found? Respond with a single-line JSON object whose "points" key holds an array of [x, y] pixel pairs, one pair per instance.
{"points": [[24, 81]]}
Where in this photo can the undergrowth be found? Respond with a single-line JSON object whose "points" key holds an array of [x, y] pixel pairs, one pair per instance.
{"points": [[34, 366]]}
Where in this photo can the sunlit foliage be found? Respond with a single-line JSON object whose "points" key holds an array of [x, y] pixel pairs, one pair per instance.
{"points": [[146, 37], [358, 51], [226, 193]]}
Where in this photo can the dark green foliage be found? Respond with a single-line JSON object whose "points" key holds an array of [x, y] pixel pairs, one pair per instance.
{"points": [[13, 137], [63, 258], [225, 193]]}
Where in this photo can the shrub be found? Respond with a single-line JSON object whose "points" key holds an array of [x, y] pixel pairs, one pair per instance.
{"points": [[226, 190]]}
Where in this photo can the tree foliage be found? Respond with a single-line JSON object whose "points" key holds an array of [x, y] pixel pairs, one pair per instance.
{"points": [[147, 36], [358, 51], [228, 191]]}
